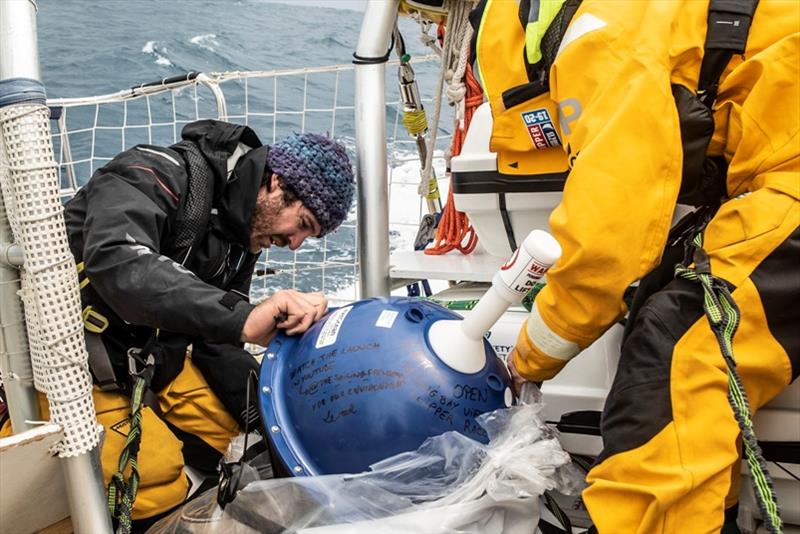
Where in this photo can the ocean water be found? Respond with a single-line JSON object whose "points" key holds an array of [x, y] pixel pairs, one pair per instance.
{"points": [[97, 47]]}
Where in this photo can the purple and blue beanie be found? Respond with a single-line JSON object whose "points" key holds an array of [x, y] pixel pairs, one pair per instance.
{"points": [[317, 170]]}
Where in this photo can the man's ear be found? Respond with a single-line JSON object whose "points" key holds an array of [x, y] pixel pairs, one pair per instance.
{"points": [[274, 185]]}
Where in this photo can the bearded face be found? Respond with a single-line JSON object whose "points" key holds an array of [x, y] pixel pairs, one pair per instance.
{"points": [[279, 222]]}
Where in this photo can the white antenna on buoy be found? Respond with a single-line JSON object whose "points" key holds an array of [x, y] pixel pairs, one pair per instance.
{"points": [[459, 344]]}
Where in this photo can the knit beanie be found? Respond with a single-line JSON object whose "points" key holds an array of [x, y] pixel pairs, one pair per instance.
{"points": [[317, 170]]}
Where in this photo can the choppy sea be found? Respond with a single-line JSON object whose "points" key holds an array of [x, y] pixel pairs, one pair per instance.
{"points": [[97, 47]]}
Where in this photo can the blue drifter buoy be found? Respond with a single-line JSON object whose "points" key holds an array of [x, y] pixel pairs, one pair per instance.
{"points": [[364, 383]]}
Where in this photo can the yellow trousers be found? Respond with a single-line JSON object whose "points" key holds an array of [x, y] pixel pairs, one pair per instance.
{"points": [[671, 457], [189, 405]]}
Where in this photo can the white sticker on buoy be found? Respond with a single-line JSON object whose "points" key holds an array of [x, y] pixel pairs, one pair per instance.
{"points": [[330, 330], [386, 318]]}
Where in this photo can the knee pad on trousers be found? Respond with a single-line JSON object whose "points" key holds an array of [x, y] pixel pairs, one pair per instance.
{"points": [[163, 484]]}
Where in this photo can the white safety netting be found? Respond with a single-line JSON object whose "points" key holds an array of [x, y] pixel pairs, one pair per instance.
{"points": [[89, 132], [38, 177], [49, 280]]}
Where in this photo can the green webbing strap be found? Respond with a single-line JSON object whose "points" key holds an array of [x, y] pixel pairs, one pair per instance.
{"points": [[122, 494], [527, 301], [458, 305], [723, 316]]}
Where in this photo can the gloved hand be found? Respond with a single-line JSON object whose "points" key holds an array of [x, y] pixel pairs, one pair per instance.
{"points": [[527, 362], [517, 380]]}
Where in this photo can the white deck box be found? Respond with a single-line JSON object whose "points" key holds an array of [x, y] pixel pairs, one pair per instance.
{"points": [[503, 208]]}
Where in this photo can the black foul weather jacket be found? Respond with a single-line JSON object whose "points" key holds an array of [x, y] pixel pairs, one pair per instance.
{"points": [[122, 228]]}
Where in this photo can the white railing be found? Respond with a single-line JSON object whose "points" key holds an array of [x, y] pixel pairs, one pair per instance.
{"points": [[89, 131]]}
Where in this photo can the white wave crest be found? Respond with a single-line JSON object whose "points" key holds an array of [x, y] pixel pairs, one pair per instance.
{"points": [[151, 48], [207, 41]]}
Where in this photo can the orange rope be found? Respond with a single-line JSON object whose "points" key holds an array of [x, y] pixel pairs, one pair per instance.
{"points": [[455, 231]]}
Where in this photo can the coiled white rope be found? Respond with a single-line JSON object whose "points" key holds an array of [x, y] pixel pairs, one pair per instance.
{"points": [[454, 63], [459, 55]]}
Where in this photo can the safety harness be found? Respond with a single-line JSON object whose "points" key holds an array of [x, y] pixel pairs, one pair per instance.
{"points": [[191, 227], [515, 62], [141, 362], [703, 180]]}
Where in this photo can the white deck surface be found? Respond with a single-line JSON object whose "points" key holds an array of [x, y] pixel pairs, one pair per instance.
{"points": [[451, 266]]}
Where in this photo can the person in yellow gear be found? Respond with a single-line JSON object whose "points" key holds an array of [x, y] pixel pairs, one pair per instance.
{"points": [[671, 453]]}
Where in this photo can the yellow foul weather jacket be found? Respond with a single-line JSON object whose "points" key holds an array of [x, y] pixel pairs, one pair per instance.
{"points": [[611, 83]]}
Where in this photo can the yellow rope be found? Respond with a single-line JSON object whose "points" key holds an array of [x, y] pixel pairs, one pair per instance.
{"points": [[433, 190], [415, 122]]}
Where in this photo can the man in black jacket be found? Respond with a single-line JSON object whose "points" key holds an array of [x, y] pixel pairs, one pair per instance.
{"points": [[166, 241]]}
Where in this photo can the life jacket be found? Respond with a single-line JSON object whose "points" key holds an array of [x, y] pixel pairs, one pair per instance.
{"points": [[525, 135], [525, 132]]}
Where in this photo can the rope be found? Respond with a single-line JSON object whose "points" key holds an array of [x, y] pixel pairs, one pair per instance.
{"points": [[122, 494], [427, 169], [723, 316], [425, 37], [457, 90], [415, 122], [455, 231]]}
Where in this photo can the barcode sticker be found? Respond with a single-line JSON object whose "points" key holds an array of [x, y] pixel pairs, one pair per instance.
{"points": [[330, 330]]}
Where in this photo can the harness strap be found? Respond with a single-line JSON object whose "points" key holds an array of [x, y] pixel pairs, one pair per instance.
{"points": [[100, 362], [728, 26], [94, 321], [723, 317], [512, 242]]}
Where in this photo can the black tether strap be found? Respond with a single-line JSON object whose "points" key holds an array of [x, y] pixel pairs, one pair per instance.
{"points": [[728, 26], [361, 60], [507, 222]]}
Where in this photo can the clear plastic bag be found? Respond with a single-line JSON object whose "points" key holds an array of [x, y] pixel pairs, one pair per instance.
{"points": [[450, 484]]}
